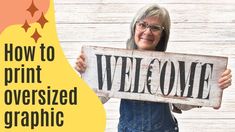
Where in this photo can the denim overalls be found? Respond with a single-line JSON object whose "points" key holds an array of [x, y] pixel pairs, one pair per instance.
{"points": [[144, 116]]}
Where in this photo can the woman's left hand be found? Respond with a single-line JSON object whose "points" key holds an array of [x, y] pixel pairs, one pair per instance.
{"points": [[225, 79]]}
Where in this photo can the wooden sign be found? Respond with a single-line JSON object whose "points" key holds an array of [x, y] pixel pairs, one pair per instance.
{"points": [[154, 76]]}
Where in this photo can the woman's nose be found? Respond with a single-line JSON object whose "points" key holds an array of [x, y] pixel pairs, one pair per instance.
{"points": [[148, 30]]}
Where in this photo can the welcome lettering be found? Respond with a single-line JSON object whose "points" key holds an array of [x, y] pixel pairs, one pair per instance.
{"points": [[155, 76], [106, 75]]}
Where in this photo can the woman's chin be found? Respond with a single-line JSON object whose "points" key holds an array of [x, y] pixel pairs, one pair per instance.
{"points": [[146, 47]]}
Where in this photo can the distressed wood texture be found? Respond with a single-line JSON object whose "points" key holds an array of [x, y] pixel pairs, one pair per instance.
{"points": [[198, 27], [154, 76], [122, 13]]}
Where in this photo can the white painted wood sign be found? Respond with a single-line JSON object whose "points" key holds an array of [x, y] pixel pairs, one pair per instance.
{"points": [[154, 76]]}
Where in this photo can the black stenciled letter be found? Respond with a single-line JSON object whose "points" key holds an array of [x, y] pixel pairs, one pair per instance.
{"points": [[108, 70], [183, 80], [124, 73], [149, 75], [137, 75], [203, 79], [162, 78]]}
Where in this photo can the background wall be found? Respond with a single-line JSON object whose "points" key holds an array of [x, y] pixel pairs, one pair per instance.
{"points": [[198, 27]]}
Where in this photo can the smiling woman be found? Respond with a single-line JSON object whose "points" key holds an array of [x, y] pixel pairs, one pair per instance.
{"points": [[150, 29], [147, 34]]}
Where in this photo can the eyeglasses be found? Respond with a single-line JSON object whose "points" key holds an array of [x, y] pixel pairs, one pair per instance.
{"points": [[142, 26]]}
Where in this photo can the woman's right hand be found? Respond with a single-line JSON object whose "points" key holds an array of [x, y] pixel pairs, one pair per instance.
{"points": [[81, 68], [80, 63]]}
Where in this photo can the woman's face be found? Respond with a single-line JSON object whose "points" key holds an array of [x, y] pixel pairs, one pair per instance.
{"points": [[146, 38]]}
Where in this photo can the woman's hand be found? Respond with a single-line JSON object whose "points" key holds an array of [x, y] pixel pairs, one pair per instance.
{"points": [[81, 67], [225, 79], [80, 63]]}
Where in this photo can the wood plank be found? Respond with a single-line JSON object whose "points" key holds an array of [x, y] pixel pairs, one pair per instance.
{"points": [[113, 80], [210, 125], [119, 32], [132, 8], [73, 49], [114, 13], [174, 25], [207, 48]]}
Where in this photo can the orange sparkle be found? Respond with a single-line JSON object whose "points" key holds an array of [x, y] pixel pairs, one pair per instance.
{"points": [[32, 9], [36, 35], [42, 20], [26, 26]]}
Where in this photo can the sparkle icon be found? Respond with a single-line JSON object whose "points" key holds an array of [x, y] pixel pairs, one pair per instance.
{"points": [[36, 35], [32, 9], [42, 20], [26, 26]]}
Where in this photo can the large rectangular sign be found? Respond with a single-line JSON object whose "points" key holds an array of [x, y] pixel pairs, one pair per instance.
{"points": [[154, 76]]}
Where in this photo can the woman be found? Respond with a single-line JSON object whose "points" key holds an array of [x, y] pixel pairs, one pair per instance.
{"points": [[150, 30]]}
